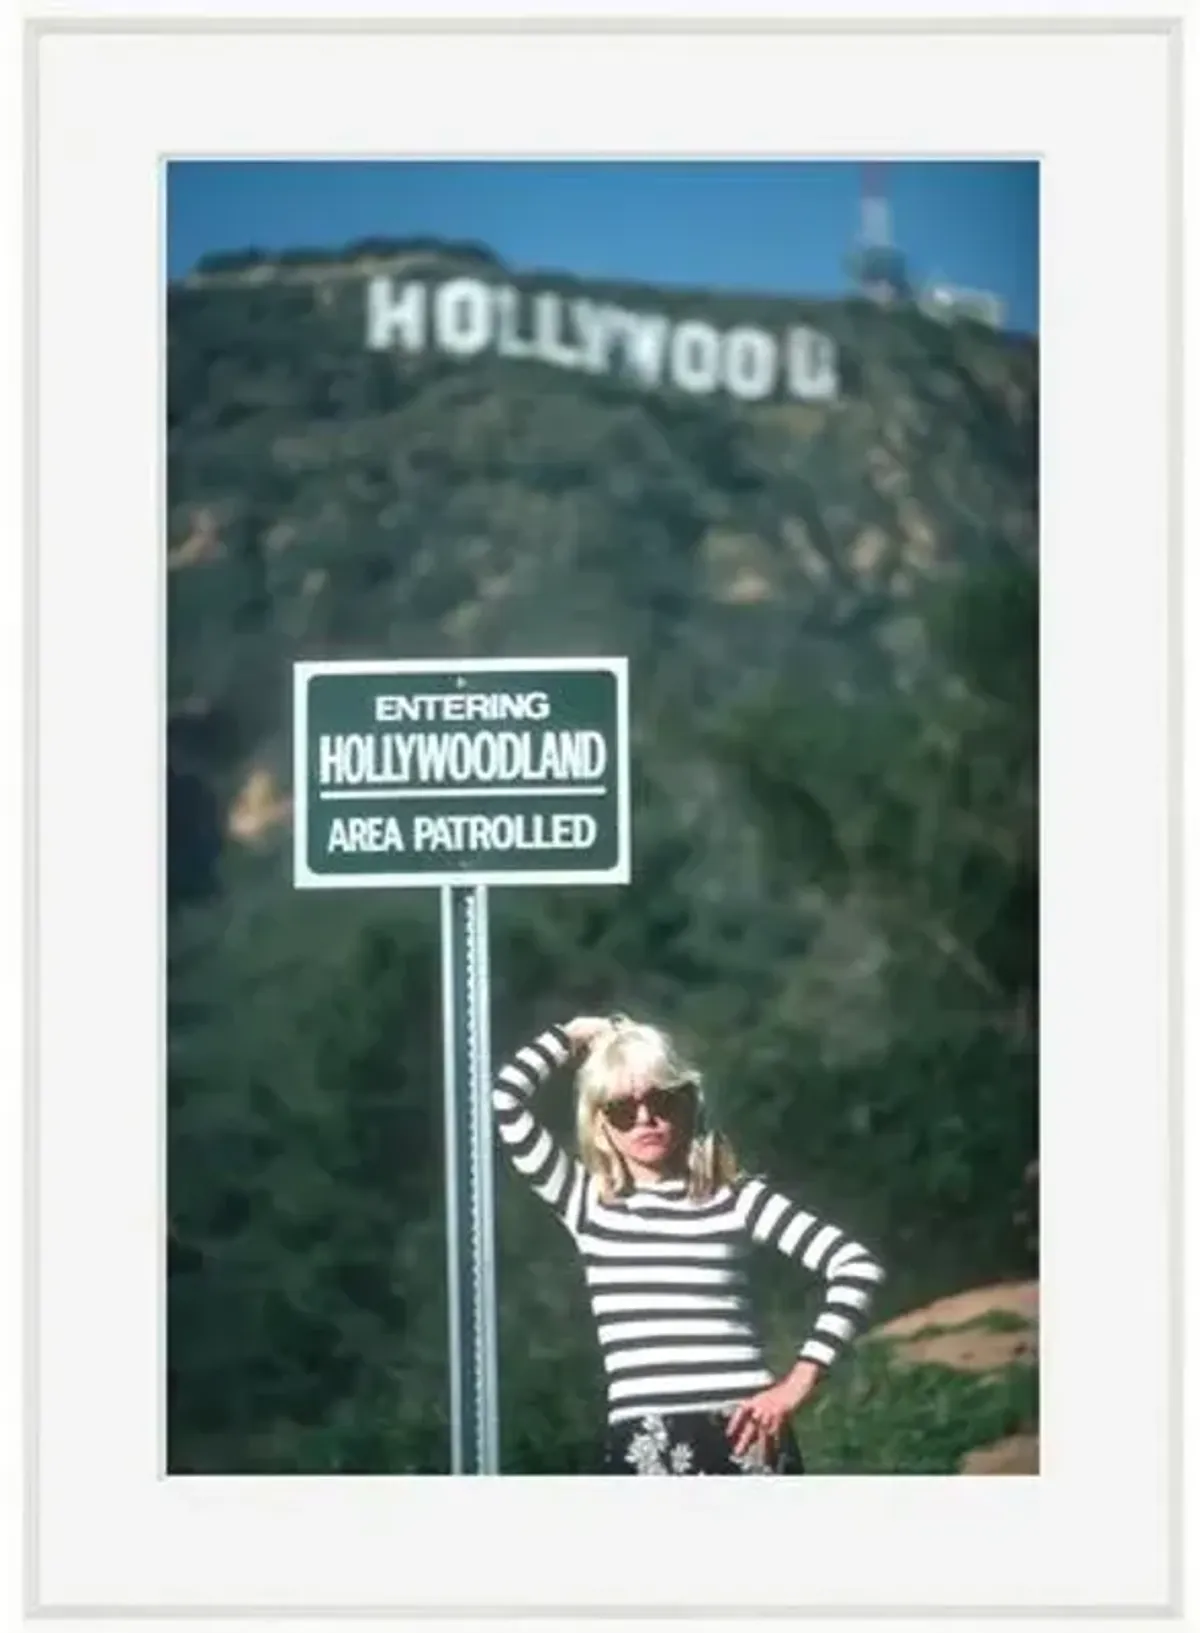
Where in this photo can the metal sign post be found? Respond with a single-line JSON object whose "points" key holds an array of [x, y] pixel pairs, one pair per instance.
{"points": [[470, 1215], [461, 776]]}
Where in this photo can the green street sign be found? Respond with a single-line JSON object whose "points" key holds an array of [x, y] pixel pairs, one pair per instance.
{"points": [[483, 772]]}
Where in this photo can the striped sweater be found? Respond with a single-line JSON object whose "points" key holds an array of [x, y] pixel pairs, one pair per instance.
{"points": [[666, 1275]]}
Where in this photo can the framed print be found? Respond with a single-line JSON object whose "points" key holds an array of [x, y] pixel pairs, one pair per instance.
{"points": [[606, 754]]}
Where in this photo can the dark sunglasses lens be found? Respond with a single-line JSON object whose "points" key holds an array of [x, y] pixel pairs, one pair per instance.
{"points": [[622, 1112], [661, 1103]]}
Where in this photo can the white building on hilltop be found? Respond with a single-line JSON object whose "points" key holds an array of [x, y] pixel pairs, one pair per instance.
{"points": [[949, 303]]}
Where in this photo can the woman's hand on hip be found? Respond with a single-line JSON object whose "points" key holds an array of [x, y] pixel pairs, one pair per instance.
{"points": [[761, 1419]]}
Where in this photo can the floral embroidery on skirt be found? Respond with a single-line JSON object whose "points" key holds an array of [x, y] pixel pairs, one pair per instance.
{"points": [[691, 1443]]}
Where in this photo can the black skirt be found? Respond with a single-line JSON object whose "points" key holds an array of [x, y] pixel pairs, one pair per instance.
{"points": [[690, 1443]]}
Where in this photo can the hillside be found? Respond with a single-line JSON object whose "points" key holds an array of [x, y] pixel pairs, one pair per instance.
{"points": [[823, 572]]}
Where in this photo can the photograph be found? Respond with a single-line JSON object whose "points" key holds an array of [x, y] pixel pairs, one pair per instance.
{"points": [[602, 816]]}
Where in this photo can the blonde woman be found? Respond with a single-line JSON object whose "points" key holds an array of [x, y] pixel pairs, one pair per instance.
{"points": [[663, 1219]]}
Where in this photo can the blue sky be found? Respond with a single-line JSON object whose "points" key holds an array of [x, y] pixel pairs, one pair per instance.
{"points": [[773, 227]]}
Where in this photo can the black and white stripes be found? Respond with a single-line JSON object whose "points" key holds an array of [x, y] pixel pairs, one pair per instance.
{"points": [[666, 1274], [557, 1178]]}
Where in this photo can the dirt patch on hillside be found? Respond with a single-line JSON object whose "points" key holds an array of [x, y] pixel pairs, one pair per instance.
{"points": [[203, 543], [945, 1332], [258, 808], [1018, 1454]]}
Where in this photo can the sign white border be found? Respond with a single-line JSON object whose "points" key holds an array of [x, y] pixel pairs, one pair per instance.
{"points": [[1101, 1528], [303, 876]]}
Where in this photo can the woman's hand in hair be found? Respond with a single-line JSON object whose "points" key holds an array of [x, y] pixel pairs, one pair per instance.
{"points": [[584, 1029]]}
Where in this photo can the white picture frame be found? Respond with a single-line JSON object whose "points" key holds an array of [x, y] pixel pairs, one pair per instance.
{"points": [[1099, 100]]}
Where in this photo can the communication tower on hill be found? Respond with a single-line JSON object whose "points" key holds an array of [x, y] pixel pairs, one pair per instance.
{"points": [[875, 264]]}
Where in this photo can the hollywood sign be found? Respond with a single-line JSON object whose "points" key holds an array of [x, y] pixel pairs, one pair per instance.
{"points": [[468, 317]]}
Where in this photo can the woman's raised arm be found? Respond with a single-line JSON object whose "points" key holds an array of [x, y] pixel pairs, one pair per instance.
{"points": [[555, 1176]]}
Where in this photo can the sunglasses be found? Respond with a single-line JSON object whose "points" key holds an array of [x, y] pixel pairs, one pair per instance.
{"points": [[662, 1105]]}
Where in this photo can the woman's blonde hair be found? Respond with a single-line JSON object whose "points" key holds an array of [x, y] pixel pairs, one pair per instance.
{"points": [[627, 1045]]}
